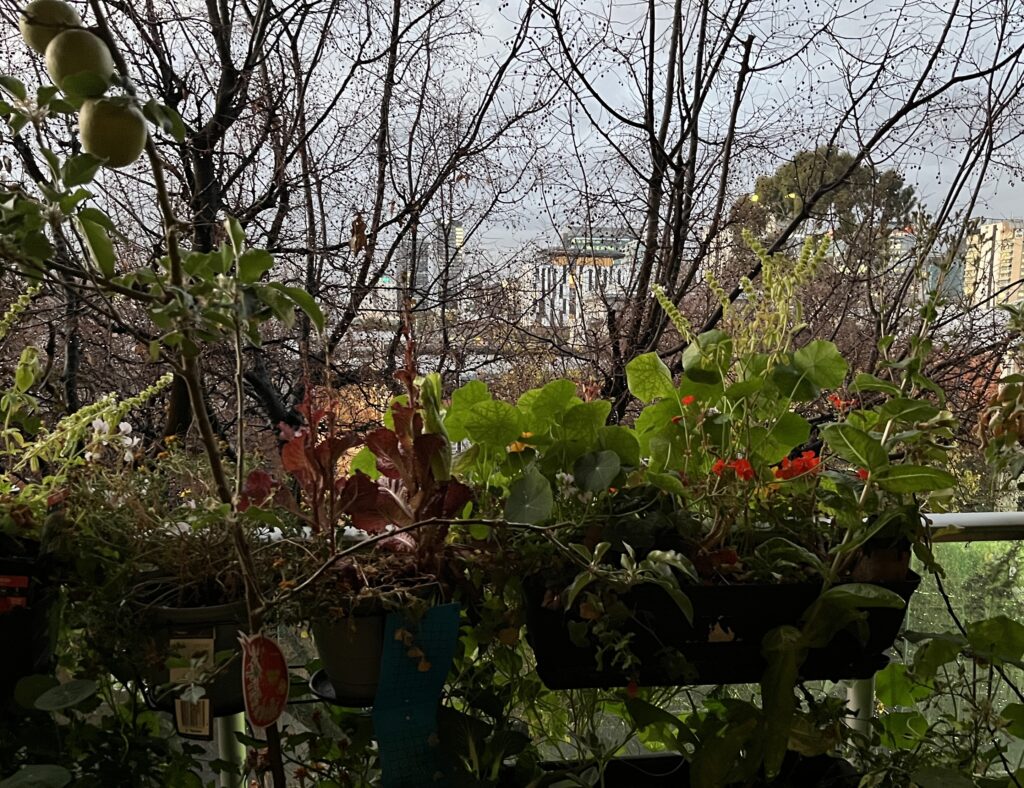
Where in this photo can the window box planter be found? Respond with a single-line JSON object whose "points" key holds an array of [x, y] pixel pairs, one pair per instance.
{"points": [[722, 646]]}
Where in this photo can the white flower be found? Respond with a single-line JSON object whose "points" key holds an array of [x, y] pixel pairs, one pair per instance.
{"points": [[99, 425], [125, 428]]}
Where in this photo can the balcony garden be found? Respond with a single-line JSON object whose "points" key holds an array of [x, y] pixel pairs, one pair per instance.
{"points": [[696, 537]]}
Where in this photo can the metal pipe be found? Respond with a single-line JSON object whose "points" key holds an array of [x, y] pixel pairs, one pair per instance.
{"points": [[977, 526], [860, 698], [230, 750]]}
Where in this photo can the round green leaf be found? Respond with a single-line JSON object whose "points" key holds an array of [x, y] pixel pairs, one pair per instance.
{"points": [[493, 423], [596, 471], [822, 363], [38, 776], [64, 696], [648, 378], [530, 499]]}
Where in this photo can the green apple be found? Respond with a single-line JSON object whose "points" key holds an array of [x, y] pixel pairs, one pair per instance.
{"points": [[41, 20], [113, 130], [79, 63]]}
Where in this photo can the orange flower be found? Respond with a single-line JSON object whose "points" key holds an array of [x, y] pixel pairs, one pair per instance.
{"points": [[689, 399], [718, 467]]}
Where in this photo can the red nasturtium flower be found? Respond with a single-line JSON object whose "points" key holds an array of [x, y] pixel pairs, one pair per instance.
{"points": [[807, 462], [689, 399], [743, 468], [862, 474]]}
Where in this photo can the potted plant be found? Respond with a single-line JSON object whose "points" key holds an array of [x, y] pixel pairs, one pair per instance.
{"points": [[370, 523], [725, 533]]}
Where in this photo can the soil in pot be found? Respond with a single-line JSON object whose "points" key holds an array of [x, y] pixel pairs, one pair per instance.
{"points": [[350, 650], [721, 646]]}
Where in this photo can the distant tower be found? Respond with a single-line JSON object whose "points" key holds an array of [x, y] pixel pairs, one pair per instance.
{"points": [[995, 263]]}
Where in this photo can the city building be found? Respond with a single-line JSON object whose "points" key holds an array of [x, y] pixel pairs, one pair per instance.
{"points": [[432, 267], [994, 264], [579, 278], [935, 270]]}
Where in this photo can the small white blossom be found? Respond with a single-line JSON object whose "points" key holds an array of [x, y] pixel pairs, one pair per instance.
{"points": [[124, 428], [99, 425]]}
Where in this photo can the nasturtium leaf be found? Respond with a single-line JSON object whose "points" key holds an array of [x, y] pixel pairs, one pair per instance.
{"points": [[744, 388], [38, 776], [999, 639], [530, 499], [903, 730], [793, 383], [1013, 713], [936, 652], [778, 440], [913, 478], [65, 695], [622, 441], [855, 446], [493, 423], [894, 686], [666, 482], [582, 421], [463, 398], [648, 378], [822, 363], [545, 403], [596, 471]]}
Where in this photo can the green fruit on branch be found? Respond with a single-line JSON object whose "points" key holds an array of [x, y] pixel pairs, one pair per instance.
{"points": [[41, 20], [79, 63], [113, 130]]}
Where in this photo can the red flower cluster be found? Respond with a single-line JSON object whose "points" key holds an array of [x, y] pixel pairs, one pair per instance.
{"points": [[839, 403], [742, 467], [808, 462], [689, 399]]}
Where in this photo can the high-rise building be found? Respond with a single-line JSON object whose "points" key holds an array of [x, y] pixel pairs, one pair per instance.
{"points": [[994, 264], [935, 270], [433, 267], [578, 278]]}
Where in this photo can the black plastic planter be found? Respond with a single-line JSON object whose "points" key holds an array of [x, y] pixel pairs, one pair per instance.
{"points": [[26, 602], [218, 625], [722, 646]]}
